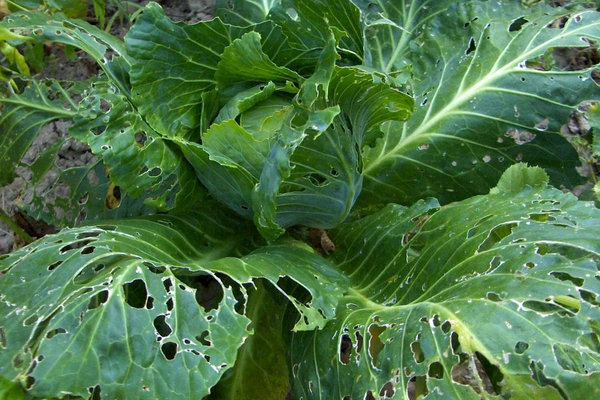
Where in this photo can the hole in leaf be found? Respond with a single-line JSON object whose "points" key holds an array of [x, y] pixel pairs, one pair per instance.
{"points": [[334, 172], [521, 347], [169, 350], [590, 340], [98, 299], [359, 341], [496, 235], [570, 359], [417, 351], [317, 179], [141, 138], [95, 393], [546, 308], [209, 291], [375, 343], [154, 172], [55, 332], [54, 265], [471, 47], [98, 130], [168, 284], [537, 373], [202, 338], [98, 267], [446, 326], [154, 269], [589, 297], [345, 349], [470, 372], [135, 293], [454, 343], [542, 249], [107, 227], [88, 250], [105, 106], [30, 320], [489, 373], [436, 370], [563, 276], [291, 286], [161, 326], [517, 24], [169, 304], [74, 245], [113, 197], [493, 297], [29, 382], [417, 387], [540, 217], [369, 396], [84, 199]]}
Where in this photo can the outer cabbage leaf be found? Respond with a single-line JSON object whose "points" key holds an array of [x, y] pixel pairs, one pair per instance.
{"points": [[505, 281], [78, 193], [107, 50], [144, 308], [138, 159], [482, 102], [83, 193], [23, 115]]}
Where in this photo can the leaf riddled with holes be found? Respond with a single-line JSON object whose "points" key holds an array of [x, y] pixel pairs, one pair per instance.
{"points": [[150, 307], [487, 90], [503, 283]]}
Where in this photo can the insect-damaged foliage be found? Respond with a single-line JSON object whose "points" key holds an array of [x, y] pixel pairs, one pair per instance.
{"points": [[506, 279], [143, 308], [240, 134]]}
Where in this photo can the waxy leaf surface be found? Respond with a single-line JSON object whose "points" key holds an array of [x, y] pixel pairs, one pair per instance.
{"points": [[506, 279], [144, 308]]}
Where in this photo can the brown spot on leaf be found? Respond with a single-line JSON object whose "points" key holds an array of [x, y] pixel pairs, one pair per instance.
{"points": [[113, 197]]}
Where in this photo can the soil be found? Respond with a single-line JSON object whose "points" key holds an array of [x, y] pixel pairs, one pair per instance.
{"points": [[72, 153]]}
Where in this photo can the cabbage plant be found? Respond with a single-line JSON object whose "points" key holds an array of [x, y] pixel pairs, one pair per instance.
{"points": [[323, 197]]}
